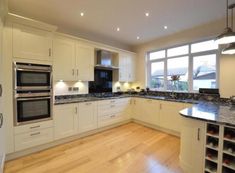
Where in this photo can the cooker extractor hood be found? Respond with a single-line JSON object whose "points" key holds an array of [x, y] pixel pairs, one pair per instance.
{"points": [[105, 60]]}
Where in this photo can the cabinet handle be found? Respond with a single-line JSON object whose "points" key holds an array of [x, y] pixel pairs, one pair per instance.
{"points": [[1, 120], [73, 72], [76, 110], [34, 134], [34, 127], [77, 72], [88, 103], [160, 106], [198, 134], [50, 52]]}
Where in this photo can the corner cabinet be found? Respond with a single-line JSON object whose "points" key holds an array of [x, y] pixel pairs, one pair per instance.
{"points": [[192, 143], [31, 43], [65, 120], [73, 60], [126, 67]]}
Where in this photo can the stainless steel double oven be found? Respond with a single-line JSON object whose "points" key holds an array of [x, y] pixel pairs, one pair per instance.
{"points": [[32, 93]]}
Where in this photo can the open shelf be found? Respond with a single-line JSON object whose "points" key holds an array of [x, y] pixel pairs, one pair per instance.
{"points": [[213, 130], [229, 161], [229, 134], [210, 166]]}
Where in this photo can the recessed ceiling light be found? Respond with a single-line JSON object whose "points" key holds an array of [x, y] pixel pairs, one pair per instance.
{"points": [[165, 27], [138, 37], [81, 14], [118, 29], [147, 14]]}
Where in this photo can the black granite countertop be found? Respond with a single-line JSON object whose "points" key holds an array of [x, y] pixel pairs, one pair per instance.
{"points": [[93, 98], [223, 113]]}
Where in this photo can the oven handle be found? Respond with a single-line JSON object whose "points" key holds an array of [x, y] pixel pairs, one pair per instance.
{"points": [[37, 98], [33, 70]]}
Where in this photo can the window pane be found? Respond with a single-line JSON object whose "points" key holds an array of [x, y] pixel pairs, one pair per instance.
{"points": [[204, 46], [157, 55], [182, 50], [178, 68], [157, 75], [204, 71]]}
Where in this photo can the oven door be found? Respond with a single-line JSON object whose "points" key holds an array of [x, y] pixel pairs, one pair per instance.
{"points": [[32, 79], [35, 109]]}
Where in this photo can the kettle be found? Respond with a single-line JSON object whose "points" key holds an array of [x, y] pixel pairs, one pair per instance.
{"points": [[232, 99]]}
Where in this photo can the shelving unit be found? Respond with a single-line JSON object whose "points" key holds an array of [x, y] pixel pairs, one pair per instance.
{"points": [[219, 149]]}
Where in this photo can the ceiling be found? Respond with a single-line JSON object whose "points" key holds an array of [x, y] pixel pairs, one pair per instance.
{"points": [[102, 17]]}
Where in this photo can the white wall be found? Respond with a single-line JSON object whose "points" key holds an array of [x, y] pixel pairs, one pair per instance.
{"points": [[210, 30]]}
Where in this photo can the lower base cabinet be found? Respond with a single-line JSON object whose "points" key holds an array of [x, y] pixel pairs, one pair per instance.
{"points": [[65, 120], [87, 116], [192, 145]]}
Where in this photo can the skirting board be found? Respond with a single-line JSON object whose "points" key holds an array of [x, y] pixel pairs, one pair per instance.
{"points": [[2, 161]]}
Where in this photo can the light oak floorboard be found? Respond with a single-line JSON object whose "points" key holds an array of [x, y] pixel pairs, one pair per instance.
{"points": [[130, 148]]}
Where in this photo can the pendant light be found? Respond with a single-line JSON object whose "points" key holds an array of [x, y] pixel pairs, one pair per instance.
{"points": [[228, 36], [230, 49]]}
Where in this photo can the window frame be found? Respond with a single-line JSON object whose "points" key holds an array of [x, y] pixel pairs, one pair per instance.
{"points": [[190, 64]]}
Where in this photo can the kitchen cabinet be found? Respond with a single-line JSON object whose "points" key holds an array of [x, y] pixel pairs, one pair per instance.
{"points": [[65, 120], [169, 115], [64, 59], [146, 110], [87, 116], [31, 43], [113, 111], [85, 61], [126, 67], [73, 61], [192, 145]]}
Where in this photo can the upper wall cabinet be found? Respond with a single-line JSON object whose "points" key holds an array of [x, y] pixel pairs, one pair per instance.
{"points": [[64, 59], [73, 60], [126, 67], [31, 43], [85, 61]]}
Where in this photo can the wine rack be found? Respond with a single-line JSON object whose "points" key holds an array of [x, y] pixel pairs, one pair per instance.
{"points": [[219, 149]]}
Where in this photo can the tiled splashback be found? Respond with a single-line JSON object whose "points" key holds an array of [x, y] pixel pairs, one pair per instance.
{"points": [[74, 88]]}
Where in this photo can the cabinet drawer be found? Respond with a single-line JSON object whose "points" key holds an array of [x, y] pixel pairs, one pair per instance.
{"points": [[33, 127], [31, 139], [109, 119]]}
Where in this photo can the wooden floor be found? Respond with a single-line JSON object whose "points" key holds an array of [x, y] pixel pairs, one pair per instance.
{"points": [[130, 148]]}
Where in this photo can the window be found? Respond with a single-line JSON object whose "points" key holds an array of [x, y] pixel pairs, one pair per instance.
{"points": [[184, 68]]}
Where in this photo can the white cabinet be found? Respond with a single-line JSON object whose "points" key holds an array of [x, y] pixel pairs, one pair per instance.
{"points": [[113, 111], [169, 115], [30, 135], [146, 110], [65, 120], [64, 59], [31, 43], [73, 61], [85, 61], [126, 67], [192, 145], [87, 119], [31, 139]]}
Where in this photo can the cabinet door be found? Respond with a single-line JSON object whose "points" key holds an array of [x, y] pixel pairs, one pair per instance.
{"points": [[123, 77], [192, 145], [85, 62], [64, 60], [151, 110], [169, 115], [65, 120], [131, 68], [31, 43], [138, 109], [87, 116]]}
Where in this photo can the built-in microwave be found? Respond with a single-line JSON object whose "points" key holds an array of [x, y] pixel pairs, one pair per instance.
{"points": [[32, 76]]}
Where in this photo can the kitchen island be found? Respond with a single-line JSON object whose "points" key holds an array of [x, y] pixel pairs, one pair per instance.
{"points": [[208, 138]]}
